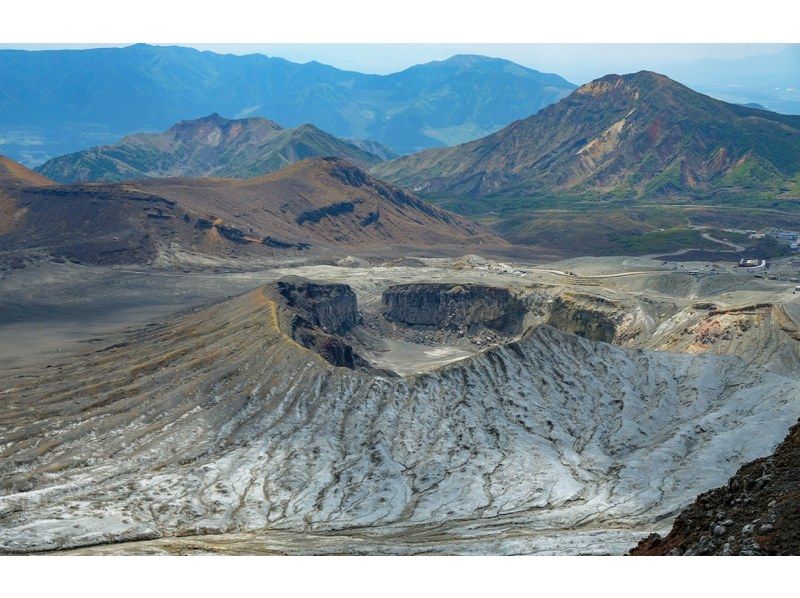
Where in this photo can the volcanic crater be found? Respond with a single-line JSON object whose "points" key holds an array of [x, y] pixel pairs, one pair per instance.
{"points": [[425, 408]]}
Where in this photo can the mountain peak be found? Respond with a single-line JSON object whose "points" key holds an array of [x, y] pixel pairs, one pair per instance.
{"points": [[631, 84], [307, 128], [213, 117], [215, 120], [640, 77], [209, 146], [635, 135], [472, 59], [475, 61]]}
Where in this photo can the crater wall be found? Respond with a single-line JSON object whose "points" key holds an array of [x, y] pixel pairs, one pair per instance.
{"points": [[454, 307]]}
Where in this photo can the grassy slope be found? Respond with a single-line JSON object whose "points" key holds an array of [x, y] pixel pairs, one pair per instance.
{"points": [[684, 159], [628, 228], [596, 225]]}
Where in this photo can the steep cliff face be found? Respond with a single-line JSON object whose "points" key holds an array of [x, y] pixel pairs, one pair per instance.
{"points": [[315, 315], [454, 307], [332, 307], [756, 513]]}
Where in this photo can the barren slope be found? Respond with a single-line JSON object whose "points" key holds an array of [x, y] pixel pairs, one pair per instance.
{"points": [[102, 224], [320, 203], [322, 200], [219, 421], [14, 174]]}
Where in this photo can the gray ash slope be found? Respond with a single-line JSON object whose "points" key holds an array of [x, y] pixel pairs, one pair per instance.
{"points": [[756, 513], [221, 422]]}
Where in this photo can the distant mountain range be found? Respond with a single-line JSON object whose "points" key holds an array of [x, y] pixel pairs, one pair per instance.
{"points": [[210, 146], [638, 136], [771, 80], [59, 101]]}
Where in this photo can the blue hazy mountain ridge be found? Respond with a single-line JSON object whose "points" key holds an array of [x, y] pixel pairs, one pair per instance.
{"points": [[59, 101], [210, 146], [771, 80]]}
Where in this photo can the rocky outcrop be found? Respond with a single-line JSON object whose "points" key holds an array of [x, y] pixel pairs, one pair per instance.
{"points": [[347, 173], [332, 348], [336, 209], [454, 307], [232, 233], [370, 218], [331, 307], [755, 514], [275, 243], [316, 315]]}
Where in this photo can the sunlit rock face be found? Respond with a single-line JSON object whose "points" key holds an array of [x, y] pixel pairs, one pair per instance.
{"points": [[459, 306]]}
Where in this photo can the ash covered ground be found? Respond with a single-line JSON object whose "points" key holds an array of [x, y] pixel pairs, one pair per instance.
{"points": [[487, 405]]}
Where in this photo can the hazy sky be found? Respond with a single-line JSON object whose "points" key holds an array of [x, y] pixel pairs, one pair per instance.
{"points": [[576, 62]]}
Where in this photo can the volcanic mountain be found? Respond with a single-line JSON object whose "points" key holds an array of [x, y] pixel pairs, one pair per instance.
{"points": [[321, 201], [13, 178], [210, 146], [634, 136]]}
